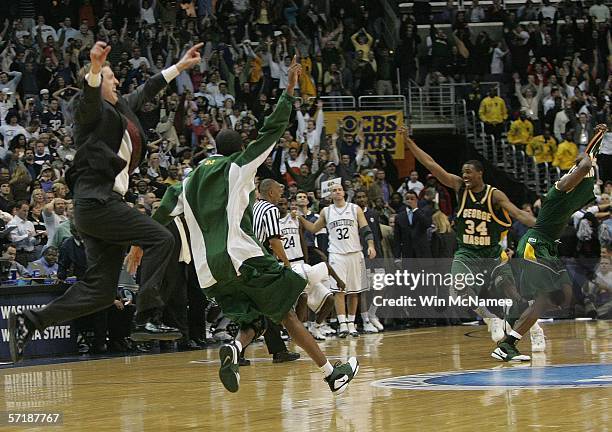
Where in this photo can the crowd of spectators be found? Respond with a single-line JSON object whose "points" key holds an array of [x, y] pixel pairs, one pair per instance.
{"points": [[561, 90]]}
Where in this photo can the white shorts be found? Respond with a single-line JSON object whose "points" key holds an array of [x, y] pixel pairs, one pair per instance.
{"points": [[351, 269], [316, 276]]}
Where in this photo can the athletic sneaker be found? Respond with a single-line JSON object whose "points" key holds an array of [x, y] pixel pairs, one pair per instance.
{"points": [[229, 372], [352, 329], [376, 322], [342, 375], [316, 333], [496, 328], [509, 353], [538, 342], [327, 330], [222, 336], [343, 330], [369, 328]]}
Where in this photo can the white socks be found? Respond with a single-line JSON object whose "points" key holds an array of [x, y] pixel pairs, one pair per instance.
{"points": [[515, 335], [341, 319], [327, 369], [365, 317], [350, 318]]}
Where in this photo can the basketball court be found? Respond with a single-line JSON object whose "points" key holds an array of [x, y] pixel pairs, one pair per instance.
{"points": [[426, 379]]}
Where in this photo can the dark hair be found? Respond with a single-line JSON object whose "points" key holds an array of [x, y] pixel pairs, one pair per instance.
{"points": [[476, 164], [228, 142], [20, 204]]}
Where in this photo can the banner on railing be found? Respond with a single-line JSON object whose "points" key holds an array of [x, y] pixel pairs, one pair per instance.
{"points": [[380, 128]]}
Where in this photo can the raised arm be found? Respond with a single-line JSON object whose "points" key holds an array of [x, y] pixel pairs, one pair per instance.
{"points": [[275, 124], [447, 179], [522, 216], [88, 106]]}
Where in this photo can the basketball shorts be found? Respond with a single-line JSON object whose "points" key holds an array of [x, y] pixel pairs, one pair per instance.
{"points": [[351, 269], [541, 269], [317, 277], [486, 273], [264, 287]]}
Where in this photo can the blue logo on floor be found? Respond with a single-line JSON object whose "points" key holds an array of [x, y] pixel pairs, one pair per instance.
{"points": [[545, 377]]}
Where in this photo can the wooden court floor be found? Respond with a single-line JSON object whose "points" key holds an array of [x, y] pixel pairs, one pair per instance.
{"points": [[180, 391]]}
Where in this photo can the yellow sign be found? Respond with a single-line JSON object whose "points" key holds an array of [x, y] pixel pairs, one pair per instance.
{"points": [[379, 128]]}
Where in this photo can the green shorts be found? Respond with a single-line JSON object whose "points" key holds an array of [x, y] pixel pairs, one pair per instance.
{"points": [[264, 287], [485, 271], [542, 271]]}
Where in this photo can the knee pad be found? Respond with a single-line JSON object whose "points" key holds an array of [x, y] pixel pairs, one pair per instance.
{"points": [[259, 325]]}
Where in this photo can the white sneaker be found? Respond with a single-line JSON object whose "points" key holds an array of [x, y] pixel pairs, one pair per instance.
{"points": [[327, 330], [316, 333], [369, 328], [352, 329], [343, 330], [222, 336], [496, 328], [376, 323], [538, 341]]}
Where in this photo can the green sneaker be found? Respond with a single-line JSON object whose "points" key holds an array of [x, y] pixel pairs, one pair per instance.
{"points": [[228, 373], [509, 353], [342, 375]]}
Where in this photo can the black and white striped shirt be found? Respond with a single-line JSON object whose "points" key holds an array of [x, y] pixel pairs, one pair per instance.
{"points": [[265, 221]]}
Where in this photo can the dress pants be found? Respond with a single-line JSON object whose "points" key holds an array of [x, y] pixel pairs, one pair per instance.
{"points": [[108, 227]]}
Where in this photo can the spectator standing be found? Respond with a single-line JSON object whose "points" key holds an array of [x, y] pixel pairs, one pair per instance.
{"points": [[521, 130], [410, 232], [542, 147], [23, 235], [493, 113]]}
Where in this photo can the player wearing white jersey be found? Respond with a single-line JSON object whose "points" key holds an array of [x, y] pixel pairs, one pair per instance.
{"points": [[319, 297], [344, 222]]}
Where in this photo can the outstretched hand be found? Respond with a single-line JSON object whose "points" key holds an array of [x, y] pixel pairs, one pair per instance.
{"points": [[191, 58]]}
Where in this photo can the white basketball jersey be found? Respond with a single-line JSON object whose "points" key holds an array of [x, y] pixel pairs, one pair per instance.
{"points": [[343, 229], [290, 233]]}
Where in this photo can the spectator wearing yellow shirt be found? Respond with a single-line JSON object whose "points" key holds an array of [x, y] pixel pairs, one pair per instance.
{"points": [[521, 130], [493, 113], [362, 41], [567, 152], [542, 147]]}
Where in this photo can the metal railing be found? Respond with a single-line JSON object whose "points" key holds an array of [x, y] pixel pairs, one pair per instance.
{"points": [[383, 102], [336, 103], [441, 105]]}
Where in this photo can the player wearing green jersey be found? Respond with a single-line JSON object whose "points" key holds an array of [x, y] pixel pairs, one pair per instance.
{"points": [[482, 221], [543, 275], [232, 266]]}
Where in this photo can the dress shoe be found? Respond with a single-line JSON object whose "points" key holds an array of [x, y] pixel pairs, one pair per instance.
{"points": [[118, 346], [285, 356], [153, 330], [187, 345], [244, 362]]}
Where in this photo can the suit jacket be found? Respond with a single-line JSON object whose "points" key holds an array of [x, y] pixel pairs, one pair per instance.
{"points": [[410, 240], [99, 127]]}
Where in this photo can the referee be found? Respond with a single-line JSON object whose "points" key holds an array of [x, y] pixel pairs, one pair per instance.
{"points": [[267, 230]]}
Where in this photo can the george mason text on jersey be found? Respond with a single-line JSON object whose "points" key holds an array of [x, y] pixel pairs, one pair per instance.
{"points": [[476, 232]]}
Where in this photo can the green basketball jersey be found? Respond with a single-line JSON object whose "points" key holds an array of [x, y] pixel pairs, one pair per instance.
{"points": [[479, 228], [558, 207]]}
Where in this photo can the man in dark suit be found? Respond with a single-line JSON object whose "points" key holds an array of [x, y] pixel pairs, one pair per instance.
{"points": [[410, 232], [110, 145]]}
